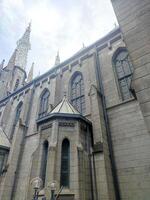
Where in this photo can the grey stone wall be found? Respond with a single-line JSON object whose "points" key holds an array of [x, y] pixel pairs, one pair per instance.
{"points": [[135, 25], [126, 123], [131, 142]]}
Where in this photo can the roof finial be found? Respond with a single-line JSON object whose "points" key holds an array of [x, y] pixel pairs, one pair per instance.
{"points": [[57, 59], [29, 26], [30, 75]]}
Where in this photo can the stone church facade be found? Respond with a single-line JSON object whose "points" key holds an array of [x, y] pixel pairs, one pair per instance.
{"points": [[79, 124]]}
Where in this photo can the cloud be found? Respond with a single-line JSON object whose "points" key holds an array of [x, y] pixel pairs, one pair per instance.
{"points": [[58, 24]]}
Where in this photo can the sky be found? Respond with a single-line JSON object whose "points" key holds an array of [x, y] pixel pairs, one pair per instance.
{"points": [[56, 25]]}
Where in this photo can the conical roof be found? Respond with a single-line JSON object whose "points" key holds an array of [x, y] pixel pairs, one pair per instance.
{"points": [[64, 107], [4, 142]]}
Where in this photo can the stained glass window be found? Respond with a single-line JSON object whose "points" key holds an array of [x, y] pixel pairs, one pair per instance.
{"points": [[65, 163], [44, 103], [77, 93], [124, 70]]}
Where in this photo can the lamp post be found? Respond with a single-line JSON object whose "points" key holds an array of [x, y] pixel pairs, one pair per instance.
{"points": [[36, 183], [53, 188], [36, 190]]}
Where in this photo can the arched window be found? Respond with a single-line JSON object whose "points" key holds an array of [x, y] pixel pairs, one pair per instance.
{"points": [[16, 84], [77, 92], [65, 163], [17, 116], [124, 71], [44, 161], [44, 103], [3, 159]]}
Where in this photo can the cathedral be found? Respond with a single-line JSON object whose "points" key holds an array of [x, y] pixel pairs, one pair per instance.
{"points": [[81, 125]]}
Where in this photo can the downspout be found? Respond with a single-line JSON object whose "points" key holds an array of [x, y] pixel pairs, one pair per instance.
{"points": [[106, 120], [22, 144], [92, 166], [94, 174]]}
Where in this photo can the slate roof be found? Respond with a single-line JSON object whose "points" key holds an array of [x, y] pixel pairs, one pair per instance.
{"points": [[64, 107]]}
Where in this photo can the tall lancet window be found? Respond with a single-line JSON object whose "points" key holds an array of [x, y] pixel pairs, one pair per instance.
{"points": [[44, 161], [44, 103], [65, 163], [3, 159], [124, 71], [77, 92], [17, 116]]}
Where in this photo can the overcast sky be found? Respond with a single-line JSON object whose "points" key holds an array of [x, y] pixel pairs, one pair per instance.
{"points": [[62, 25]]}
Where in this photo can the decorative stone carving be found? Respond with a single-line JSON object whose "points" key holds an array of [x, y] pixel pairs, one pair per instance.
{"points": [[70, 124], [46, 126]]}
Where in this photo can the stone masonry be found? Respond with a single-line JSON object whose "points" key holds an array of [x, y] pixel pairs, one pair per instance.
{"points": [[92, 175]]}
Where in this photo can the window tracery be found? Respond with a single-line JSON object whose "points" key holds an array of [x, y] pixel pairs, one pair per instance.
{"points": [[77, 93], [124, 71]]}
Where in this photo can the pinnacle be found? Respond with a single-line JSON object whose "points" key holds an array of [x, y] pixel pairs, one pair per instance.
{"points": [[57, 60], [30, 75]]}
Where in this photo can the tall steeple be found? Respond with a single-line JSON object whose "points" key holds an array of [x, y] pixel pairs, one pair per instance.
{"points": [[20, 54], [30, 75], [12, 60], [57, 60]]}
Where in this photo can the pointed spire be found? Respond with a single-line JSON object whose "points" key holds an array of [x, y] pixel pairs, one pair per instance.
{"points": [[2, 64], [30, 75], [57, 60], [19, 56], [12, 60], [25, 39]]}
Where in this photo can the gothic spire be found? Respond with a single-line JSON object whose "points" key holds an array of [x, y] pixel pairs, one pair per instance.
{"points": [[25, 39], [57, 59], [21, 52], [30, 74], [12, 60]]}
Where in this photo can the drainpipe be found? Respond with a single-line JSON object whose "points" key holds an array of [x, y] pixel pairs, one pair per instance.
{"points": [[106, 120], [92, 166], [22, 144], [94, 175]]}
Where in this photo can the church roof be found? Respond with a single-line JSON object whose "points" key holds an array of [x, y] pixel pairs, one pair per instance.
{"points": [[64, 107], [64, 110], [113, 36], [4, 142]]}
